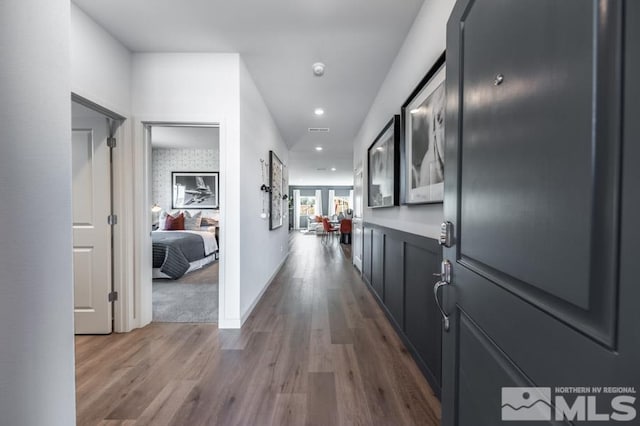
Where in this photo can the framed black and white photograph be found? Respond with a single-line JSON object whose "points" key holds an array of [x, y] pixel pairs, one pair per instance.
{"points": [[383, 166], [423, 139], [276, 181], [194, 190]]}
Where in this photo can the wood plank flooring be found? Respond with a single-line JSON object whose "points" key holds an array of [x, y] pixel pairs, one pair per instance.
{"points": [[317, 350]]}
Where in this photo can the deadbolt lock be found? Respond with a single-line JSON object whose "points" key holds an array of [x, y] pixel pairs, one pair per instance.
{"points": [[446, 234]]}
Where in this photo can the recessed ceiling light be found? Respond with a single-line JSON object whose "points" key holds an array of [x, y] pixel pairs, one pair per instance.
{"points": [[380, 148], [318, 148], [318, 69], [318, 111], [333, 169], [415, 111]]}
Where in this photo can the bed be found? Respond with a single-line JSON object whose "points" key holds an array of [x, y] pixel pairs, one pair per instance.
{"points": [[176, 253]]}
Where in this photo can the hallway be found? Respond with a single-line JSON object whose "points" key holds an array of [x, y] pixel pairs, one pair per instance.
{"points": [[316, 350]]}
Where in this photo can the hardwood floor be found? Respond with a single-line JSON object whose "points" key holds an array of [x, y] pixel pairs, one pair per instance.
{"points": [[317, 350]]}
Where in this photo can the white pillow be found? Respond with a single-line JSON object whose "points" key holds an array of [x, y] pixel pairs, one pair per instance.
{"points": [[192, 221]]}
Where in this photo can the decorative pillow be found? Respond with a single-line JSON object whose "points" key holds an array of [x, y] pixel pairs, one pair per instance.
{"points": [[174, 223], [162, 219], [208, 221], [192, 221]]}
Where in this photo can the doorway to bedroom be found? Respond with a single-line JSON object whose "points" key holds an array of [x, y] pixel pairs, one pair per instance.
{"points": [[185, 190]]}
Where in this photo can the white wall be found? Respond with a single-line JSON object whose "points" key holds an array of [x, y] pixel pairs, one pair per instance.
{"points": [[217, 88], [101, 72], [100, 65], [186, 85], [167, 160], [196, 87], [36, 310], [262, 251], [424, 44], [189, 87]]}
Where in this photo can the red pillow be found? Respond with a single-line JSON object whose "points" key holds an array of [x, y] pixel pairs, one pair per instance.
{"points": [[174, 223]]}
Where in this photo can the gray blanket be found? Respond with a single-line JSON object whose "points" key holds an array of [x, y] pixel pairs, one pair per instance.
{"points": [[173, 251]]}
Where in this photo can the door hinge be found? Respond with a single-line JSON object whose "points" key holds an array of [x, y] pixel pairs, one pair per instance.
{"points": [[113, 296], [112, 219], [111, 142]]}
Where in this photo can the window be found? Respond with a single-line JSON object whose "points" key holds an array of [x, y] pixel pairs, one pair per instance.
{"points": [[307, 206], [306, 212], [341, 204]]}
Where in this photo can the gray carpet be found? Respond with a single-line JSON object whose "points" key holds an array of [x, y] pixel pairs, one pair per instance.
{"points": [[192, 298]]}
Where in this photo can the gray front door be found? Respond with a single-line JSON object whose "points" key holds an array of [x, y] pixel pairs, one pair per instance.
{"points": [[542, 189]]}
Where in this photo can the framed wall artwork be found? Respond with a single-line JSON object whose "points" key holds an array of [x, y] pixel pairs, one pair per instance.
{"points": [[423, 139], [383, 161], [195, 190], [276, 182]]}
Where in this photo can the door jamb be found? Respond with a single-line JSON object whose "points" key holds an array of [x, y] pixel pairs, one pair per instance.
{"points": [[117, 130], [142, 259]]}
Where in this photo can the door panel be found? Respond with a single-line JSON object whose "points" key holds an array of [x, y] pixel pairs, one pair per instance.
{"points": [[394, 279], [82, 167], [91, 192], [422, 318], [377, 262], [366, 254], [516, 145], [83, 277], [532, 188], [473, 394]]}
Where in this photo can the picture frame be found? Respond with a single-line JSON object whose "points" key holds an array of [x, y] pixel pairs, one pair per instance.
{"points": [[276, 181], [195, 190], [383, 167], [422, 150]]}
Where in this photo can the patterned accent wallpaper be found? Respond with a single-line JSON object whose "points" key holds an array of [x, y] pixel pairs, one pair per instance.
{"points": [[165, 161]]}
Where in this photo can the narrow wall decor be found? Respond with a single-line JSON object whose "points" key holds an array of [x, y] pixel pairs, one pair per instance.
{"points": [[423, 139], [383, 166], [276, 180]]}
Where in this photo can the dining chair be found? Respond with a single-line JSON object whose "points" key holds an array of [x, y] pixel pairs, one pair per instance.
{"points": [[328, 230], [345, 231]]}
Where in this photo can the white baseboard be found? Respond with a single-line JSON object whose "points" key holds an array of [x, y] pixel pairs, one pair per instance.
{"points": [[229, 323], [266, 286], [357, 262]]}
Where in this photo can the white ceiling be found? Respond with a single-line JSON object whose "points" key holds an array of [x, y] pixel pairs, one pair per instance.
{"points": [[315, 169], [279, 40], [185, 137]]}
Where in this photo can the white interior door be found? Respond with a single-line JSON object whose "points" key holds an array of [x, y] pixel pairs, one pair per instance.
{"points": [[91, 231], [357, 219]]}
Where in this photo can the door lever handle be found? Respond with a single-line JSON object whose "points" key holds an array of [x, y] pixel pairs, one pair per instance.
{"points": [[445, 279], [445, 317]]}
